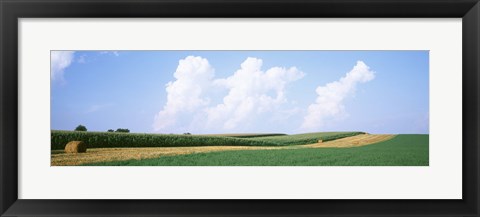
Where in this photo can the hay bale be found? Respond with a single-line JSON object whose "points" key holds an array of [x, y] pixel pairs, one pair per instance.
{"points": [[320, 141], [76, 147]]}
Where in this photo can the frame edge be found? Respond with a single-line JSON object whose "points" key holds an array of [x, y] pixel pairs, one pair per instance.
{"points": [[9, 109]]}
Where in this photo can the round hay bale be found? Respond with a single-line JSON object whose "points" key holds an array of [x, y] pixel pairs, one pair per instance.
{"points": [[320, 141], [76, 147]]}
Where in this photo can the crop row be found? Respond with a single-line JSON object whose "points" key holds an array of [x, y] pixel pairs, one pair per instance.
{"points": [[109, 140], [250, 135], [306, 138]]}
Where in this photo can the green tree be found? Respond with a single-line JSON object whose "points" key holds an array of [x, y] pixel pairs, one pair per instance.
{"points": [[110, 131], [121, 130], [80, 128]]}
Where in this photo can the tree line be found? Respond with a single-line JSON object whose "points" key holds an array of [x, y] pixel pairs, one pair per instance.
{"points": [[119, 130]]}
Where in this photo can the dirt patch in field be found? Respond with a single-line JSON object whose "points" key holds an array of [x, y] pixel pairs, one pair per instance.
{"points": [[95, 155]]}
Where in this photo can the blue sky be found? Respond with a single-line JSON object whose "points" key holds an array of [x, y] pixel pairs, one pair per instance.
{"points": [[205, 92]]}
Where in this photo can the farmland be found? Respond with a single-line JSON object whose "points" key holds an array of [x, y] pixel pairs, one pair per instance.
{"points": [[402, 150], [116, 140], [118, 154], [110, 149], [246, 135]]}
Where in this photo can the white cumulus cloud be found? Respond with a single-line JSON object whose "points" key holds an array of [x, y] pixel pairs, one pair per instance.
{"points": [[59, 61], [251, 92], [187, 93], [329, 102]]}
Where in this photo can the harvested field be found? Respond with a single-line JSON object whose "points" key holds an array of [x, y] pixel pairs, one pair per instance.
{"points": [[353, 141], [95, 155], [59, 158]]}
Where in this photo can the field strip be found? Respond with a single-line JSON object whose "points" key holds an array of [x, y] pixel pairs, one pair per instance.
{"points": [[95, 155], [353, 141]]}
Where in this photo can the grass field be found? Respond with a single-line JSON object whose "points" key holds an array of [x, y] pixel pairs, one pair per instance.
{"points": [[246, 135], [402, 150], [306, 138]]}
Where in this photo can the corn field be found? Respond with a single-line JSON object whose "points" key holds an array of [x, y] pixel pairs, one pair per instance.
{"points": [[111, 140]]}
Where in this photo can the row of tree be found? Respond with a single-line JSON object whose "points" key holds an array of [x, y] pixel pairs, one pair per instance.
{"points": [[119, 130]]}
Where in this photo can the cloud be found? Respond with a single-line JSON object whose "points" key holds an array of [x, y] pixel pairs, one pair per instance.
{"points": [[187, 93], [59, 61], [329, 102], [251, 92]]}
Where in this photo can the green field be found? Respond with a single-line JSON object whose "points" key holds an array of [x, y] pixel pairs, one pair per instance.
{"points": [[306, 138], [117, 140], [402, 150], [246, 135]]}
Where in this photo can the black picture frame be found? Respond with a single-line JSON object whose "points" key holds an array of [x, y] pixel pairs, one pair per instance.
{"points": [[12, 10]]}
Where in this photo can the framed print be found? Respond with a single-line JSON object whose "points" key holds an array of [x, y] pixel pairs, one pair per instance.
{"points": [[175, 108]]}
